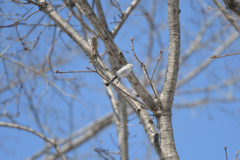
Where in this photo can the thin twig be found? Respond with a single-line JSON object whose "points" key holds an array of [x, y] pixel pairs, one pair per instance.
{"points": [[131, 124], [5, 50], [15, 23], [132, 46], [225, 148], [237, 154], [50, 51], [216, 9], [106, 152], [83, 24], [113, 140], [41, 24], [144, 70], [208, 61], [19, 36], [231, 54], [36, 40], [20, 2], [117, 5], [56, 71], [50, 82], [157, 64], [127, 12]]}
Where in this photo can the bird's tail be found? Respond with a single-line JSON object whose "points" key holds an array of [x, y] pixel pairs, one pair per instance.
{"points": [[107, 84]]}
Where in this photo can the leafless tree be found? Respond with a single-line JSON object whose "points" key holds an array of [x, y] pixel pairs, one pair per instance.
{"points": [[55, 56]]}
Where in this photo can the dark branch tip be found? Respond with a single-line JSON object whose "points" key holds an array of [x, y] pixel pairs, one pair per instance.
{"points": [[150, 121]]}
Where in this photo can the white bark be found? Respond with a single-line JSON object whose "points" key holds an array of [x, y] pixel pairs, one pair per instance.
{"points": [[167, 144]]}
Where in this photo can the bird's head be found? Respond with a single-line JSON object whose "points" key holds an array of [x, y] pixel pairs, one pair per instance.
{"points": [[130, 65]]}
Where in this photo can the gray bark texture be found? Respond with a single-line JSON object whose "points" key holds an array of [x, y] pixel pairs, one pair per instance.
{"points": [[234, 5], [167, 144], [123, 133]]}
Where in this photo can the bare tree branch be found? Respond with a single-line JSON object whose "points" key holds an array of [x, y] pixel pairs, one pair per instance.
{"points": [[123, 134], [229, 18], [52, 142], [204, 64], [27, 76], [125, 16], [115, 51], [101, 14], [234, 5], [196, 43], [168, 148]]}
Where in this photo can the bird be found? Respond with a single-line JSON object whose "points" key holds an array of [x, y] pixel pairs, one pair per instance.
{"points": [[122, 71]]}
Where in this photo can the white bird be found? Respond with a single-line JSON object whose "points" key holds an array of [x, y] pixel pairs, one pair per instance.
{"points": [[41, 1], [122, 71]]}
